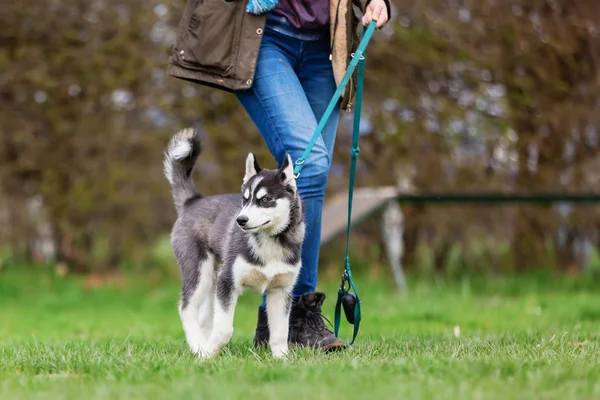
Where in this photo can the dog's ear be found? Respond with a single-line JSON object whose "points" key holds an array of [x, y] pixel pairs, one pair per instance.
{"points": [[286, 172], [252, 167]]}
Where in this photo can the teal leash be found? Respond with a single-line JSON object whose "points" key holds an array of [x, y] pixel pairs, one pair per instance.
{"points": [[343, 297], [356, 58], [350, 301]]}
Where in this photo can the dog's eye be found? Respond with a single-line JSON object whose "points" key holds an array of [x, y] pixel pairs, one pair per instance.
{"points": [[266, 199]]}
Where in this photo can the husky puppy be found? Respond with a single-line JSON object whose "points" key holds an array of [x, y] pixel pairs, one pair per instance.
{"points": [[255, 236]]}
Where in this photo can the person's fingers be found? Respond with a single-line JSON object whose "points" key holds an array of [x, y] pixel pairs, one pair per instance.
{"points": [[368, 16], [376, 11], [378, 8], [382, 17]]}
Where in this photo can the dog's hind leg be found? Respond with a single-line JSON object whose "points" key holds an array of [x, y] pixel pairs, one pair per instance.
{"points": [[197, 287], [206, 311], [279, 303], [226, 297]]}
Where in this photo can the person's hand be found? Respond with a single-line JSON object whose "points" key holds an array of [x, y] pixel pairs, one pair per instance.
{"points": [[376, 11]]}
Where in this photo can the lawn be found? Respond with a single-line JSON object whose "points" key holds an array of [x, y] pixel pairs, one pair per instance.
{"points": [[63, 338]]}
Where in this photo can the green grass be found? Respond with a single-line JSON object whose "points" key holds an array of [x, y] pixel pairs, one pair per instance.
{"points": [[518, 340]]}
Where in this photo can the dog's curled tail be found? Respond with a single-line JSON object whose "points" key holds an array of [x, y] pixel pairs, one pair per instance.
{"points": [[180, 157]]}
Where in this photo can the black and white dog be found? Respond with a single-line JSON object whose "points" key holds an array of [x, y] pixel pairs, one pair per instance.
{"points": [[255, 236]]}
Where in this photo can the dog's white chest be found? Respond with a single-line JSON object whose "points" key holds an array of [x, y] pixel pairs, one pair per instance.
{"points": [[261, 278]]}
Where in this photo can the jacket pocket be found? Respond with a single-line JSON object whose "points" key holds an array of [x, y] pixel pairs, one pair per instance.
{"points": [[213, 33]]}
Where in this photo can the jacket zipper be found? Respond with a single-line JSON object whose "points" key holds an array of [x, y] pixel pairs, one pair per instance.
{"points": [[350, 88]]}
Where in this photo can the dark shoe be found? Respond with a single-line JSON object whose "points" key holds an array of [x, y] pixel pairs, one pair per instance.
{"points": [[307, 327], [261, 337]]}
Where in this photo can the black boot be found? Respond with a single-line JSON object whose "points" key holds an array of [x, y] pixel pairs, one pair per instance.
{"points": [[307, 328], [261, 336]]}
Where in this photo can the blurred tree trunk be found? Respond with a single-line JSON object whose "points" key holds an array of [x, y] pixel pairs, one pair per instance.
{"points": [[412, 228]]}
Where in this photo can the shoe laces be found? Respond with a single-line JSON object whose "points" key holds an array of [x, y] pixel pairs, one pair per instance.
{"points": [[314, 319]]}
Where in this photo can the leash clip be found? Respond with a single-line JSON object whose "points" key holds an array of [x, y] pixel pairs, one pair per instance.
{"points": [[344, 280], [299, 163]]}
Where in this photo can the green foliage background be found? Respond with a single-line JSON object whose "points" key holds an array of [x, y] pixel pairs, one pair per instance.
{"points": [[462, 96]]}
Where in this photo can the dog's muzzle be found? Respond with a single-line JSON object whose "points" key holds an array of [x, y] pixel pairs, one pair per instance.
{"points": [[242, 220]]}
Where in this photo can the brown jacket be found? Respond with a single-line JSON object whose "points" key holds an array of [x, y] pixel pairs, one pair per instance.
{"points": [[218, 41]]}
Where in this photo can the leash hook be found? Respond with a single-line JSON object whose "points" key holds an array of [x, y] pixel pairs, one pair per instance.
{"points": [[345, 279]]}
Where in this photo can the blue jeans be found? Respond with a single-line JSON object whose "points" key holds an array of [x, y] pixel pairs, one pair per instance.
{"points": [[293, 86]]}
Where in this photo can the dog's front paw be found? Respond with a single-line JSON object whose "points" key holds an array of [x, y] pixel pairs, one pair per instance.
{"points": [[206, 353], [194, 348], [279, 352]]}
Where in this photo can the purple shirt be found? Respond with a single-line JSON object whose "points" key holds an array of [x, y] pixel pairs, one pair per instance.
{"points": [[307, 14]]}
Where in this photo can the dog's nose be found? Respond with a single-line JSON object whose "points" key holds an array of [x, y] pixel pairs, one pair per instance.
{"points": [[242, 220]]}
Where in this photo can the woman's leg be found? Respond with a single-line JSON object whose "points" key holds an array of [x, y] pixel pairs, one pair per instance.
{"points": [[279, 106], [315, 74], [285, 103], [316, 77]]}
